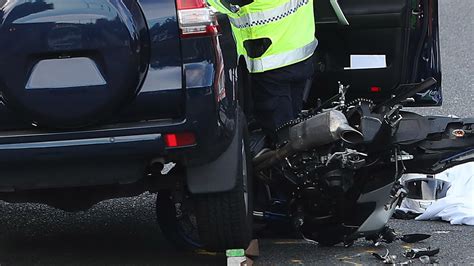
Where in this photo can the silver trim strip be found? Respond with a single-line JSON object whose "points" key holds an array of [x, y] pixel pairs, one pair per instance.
{"points": [[80, 142], [339, 13]]}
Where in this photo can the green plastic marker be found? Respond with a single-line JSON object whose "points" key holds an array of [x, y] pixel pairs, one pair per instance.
{"points": [[235, 253]]}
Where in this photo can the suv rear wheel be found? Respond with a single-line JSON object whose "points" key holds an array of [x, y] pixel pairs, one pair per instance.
{"points": [[225, 219], [214, 221]]}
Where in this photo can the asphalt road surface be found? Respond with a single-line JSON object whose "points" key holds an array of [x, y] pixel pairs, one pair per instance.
{"points": [[124, 231]]}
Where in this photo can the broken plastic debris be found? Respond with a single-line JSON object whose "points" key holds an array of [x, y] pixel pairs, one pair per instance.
{"points": [[418, 252], [387, 258], [388, 235], [425, 259], [428, 260], [167, 168], [413, 238]]}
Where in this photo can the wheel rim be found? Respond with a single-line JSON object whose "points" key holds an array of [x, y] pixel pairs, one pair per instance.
{"points": [[187, 225]]}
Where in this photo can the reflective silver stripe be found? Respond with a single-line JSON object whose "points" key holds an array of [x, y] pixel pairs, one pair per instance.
{"points": [[267, 16], [282, 59], [81, 142]]}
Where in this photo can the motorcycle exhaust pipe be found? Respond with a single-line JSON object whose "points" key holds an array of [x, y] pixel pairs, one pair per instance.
{"points": [[319, 130], [350, 135], [323, 129]]}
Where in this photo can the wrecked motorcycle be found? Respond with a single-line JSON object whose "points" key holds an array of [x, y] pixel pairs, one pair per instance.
{"points": [[335, 178]]}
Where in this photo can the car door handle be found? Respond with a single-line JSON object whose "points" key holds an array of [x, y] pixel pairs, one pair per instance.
{"points": [[339, 13]]}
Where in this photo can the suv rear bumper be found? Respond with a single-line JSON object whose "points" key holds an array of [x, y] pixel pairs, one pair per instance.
{"points": [[79, 159], [114, 154]]}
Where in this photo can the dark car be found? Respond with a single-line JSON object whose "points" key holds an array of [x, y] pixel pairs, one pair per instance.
{"points": [[101, 98], [111, 98]]}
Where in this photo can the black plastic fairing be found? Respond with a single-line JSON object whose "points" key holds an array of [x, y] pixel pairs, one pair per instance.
{"points": [[412, 128]]}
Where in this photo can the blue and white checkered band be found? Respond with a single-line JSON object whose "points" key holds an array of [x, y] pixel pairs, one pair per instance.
{"points": [[268, 16]]}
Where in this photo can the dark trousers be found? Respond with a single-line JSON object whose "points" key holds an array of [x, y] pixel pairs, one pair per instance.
{"points": [[278, 95]]}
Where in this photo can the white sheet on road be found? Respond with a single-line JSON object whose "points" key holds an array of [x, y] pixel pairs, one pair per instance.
{"points": [[458, 205]]}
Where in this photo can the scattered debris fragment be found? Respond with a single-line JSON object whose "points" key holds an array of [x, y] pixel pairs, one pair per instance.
{"points": [[423, 259], [442, 232], [428, 260], [167, 168], [424, 255], [408, 262], [387, 258], [413, 238], [388, 235], [418, 252]]}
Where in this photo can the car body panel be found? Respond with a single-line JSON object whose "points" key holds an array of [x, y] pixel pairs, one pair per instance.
{"points": [[404, 32], [188, 86]]}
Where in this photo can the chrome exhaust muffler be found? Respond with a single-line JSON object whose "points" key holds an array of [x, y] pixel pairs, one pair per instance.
{"points": [[319, 130], [323, 129]]}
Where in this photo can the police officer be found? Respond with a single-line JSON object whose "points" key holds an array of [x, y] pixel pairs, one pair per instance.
{"points": [[277, 40]]}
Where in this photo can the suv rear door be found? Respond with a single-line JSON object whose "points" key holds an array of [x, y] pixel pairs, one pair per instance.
{"points": [[79, 63], [376, 46]]}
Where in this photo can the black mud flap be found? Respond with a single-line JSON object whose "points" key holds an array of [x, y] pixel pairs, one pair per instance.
{"points": [[220, 175]]}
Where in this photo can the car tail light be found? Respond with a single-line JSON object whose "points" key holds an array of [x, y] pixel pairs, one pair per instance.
{"points": [[196, 18], [176, 140], [375, 89]]}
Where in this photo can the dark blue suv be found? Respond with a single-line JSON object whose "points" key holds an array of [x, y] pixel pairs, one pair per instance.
{"points": [[111, 98]]}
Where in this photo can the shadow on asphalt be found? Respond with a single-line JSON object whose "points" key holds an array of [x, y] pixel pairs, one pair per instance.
{"points": [[111, 233], [125, 232], [98, 248]]}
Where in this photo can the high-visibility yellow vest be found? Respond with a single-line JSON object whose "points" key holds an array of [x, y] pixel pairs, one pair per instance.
{"points": [[282, 31]]}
